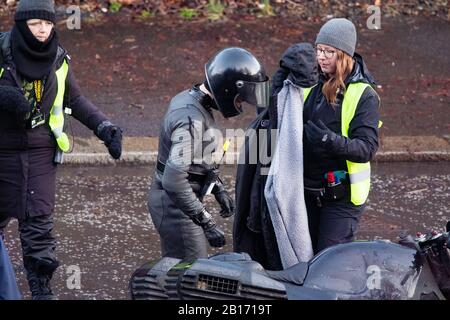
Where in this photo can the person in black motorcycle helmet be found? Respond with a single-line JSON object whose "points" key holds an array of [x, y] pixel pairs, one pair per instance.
{"points": [[175, 200], [234, 75]]}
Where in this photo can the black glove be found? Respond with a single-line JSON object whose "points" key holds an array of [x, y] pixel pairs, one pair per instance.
{"points": [[213, 234], [112, 136], [224, 199], [320, 135], [13, 101]]}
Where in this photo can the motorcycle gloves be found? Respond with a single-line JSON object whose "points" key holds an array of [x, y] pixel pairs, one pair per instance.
{"points": [[111, 135], [215, 236], [213, 233], [224, 199]]}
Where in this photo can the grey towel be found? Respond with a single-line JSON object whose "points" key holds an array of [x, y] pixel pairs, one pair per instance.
{"points": [[284, 187]]}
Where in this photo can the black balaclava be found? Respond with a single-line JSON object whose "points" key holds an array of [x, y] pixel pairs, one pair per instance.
{"points": [[33, 58]]}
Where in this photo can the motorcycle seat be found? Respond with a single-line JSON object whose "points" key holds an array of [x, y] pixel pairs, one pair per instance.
{"points": [[295, 274]]}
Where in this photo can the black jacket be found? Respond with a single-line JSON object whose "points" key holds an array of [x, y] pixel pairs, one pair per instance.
{"points": [[252, 229], [27, 171], [363, 130]]}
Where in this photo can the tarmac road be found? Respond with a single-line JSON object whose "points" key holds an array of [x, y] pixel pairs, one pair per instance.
{"points": [[103, 227]]}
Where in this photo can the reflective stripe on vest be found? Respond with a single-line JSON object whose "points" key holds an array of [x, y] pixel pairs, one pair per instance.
{"points": [[56, 120], [1, 72], [359, 173]]}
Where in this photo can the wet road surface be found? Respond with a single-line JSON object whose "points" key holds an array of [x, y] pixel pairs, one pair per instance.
{"points": [[103, 227]]}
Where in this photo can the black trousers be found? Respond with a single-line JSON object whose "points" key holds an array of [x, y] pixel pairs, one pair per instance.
{"points": [[38, 243], [331, 222]]}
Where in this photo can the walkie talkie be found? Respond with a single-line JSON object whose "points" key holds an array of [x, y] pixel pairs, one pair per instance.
{"points": [[59, 156]]}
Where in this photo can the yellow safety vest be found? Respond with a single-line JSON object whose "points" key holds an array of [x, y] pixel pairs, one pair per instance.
{"points": [[56, 120], [359, 173]]}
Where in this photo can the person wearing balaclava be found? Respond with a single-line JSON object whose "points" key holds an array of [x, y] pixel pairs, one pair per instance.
{"points": [[341, 121], [37, 91]]}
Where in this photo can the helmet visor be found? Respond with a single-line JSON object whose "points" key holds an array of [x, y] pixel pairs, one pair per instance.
{"points": [[255, 93]]}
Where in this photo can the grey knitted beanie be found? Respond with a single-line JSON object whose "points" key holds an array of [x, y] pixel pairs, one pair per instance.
{"points": [[339, 33], [35, 9]]}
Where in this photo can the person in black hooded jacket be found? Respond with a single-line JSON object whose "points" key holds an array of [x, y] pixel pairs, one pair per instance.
{"points": [[253, 231], [37, 87], [341, 119]]}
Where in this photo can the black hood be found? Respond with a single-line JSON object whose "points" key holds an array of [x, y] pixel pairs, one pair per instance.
{"points": [[298, 64], [360, 72], [300, 60]]}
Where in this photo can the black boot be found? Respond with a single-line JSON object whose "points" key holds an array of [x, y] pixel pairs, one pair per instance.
{"points": [[39, 274], [40, 286]]}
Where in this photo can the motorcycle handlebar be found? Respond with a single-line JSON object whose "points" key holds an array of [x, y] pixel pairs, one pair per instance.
{"points": [[433, 240], [424, 242]]}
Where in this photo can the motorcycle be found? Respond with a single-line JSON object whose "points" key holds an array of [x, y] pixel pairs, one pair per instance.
{"points": [[416, 268]]}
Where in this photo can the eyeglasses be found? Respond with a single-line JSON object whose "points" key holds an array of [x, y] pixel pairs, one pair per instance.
{"points": [[327, 53]]}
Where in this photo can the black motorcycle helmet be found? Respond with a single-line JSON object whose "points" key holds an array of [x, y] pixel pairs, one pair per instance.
{"points": [[234, 75]]}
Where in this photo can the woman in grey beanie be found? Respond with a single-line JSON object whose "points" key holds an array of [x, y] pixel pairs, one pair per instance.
{"points": [[37, 87], [341, 136]]}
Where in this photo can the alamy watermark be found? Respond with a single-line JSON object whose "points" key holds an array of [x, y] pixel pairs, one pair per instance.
{"points": [[374, 20], [73, 281], [374, 280], [205, 147], [73, 21]]}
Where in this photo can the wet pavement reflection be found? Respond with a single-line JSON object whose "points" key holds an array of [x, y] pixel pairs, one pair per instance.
{"points": [[103, 227]]}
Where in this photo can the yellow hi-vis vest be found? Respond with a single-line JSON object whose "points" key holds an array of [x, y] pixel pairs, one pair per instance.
{"points": [[359, 173], [56, 120]]}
